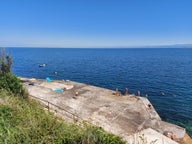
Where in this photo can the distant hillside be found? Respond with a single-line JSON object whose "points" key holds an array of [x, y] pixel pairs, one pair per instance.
{"points": [[171, 46], [183, 45]]}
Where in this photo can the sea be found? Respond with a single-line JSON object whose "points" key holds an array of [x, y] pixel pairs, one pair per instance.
{"points": [[164, 75]]}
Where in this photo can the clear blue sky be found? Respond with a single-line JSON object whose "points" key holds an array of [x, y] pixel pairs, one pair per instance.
{"points": [[95, 23]]}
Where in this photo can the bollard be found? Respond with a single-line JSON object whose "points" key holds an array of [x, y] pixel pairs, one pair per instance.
{"points": [[126, 91], [117, 91], [139, 93]]}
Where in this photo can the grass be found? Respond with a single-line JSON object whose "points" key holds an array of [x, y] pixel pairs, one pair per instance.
{"points": [[25, 121]]}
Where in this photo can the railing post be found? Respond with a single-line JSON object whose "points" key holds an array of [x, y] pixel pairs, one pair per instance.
{"points": [[48, 106]]}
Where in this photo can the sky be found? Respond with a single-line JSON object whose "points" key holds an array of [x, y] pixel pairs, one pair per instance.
{"points": [[95, 23]]}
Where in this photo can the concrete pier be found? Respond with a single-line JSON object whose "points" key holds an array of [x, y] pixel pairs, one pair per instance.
{"points": [[120, 115]]}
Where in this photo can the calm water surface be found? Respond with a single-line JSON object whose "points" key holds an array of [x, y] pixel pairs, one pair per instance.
{"points": [[151, 71]]}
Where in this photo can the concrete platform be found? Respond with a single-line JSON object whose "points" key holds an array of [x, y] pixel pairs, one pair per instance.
{"points": [[149, 136], [120, 115]]}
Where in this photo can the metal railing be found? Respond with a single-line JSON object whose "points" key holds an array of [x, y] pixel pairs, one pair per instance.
{"points": [[52, 106]]}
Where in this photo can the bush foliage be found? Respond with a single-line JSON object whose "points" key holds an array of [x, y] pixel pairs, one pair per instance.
{"points": [[5, 62], [8, 81], [12, 84]]}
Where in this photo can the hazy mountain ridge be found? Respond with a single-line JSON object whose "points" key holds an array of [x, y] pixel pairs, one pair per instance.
{"points": [[171, 46]]}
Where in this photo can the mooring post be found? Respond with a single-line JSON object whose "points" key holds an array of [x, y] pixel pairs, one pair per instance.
{"points": [[139, 93], [117, 91], [126, 91]]}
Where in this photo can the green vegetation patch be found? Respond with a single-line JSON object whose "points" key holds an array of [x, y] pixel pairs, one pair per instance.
{"points": [[25, 121], [12, 84]]}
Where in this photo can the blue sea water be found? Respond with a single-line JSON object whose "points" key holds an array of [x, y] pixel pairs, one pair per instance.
{"points": [[165, 75]]}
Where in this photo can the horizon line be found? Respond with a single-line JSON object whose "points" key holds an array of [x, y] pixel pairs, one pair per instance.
{"points": [[144, 46]]}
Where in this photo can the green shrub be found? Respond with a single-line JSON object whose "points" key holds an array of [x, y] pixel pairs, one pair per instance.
{"points": [[12, 84], [5, 62], [8, 81]]}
